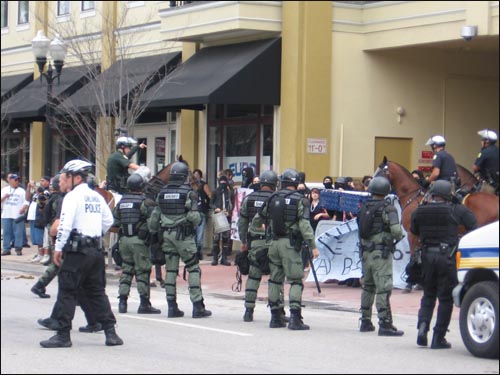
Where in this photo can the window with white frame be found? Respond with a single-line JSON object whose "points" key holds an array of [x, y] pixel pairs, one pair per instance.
{"points": [[88, 5], [23, 13], [5, 13], [62, 8]]}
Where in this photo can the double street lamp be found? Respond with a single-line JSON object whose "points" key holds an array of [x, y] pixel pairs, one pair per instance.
{"points": [[41, 47]]}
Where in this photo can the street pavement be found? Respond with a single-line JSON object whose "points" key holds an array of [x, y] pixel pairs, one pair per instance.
{"points": [[221, 281]]}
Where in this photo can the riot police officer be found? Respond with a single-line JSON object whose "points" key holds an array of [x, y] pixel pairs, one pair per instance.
{"points": [[486, 163], [85, 217], [174, 222], [130, 216], [287, 214], [379, 228], [119, 162], [436, 223], [254, 240], [443, 164]]}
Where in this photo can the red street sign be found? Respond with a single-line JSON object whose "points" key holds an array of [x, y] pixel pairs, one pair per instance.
{"points": [[427, 154]]}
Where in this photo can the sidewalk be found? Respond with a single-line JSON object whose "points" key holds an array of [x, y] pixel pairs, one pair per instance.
{"points": [[219, 281]]}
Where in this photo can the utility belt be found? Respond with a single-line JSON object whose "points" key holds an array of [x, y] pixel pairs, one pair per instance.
{"points": [[295, 238], [256, 237], [441, 248], [371, 246], [131, 230], [83, 244], [181, 231]]}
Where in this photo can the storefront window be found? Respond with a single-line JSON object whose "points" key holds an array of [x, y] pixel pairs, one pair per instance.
{"points": [[142, 156], [159, 154], [242, 138]]}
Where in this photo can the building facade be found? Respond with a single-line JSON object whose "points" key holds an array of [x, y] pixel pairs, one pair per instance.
{"points": [[327, 88]]}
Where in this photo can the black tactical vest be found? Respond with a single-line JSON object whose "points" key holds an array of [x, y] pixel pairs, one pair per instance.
{"points": [[255, 201], [283, 207], [370, 221], [130, 211], [172, 199], [436, 224]]}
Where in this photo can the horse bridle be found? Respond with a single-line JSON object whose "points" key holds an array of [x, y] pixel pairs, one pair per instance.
{"points": [[385, 171]]}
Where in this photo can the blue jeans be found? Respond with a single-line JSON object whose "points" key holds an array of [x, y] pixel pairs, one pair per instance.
{"points": [[12, 230], [200, 231]]}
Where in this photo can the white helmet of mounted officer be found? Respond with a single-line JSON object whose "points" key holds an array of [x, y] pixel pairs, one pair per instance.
{"points": [[488, 135], [436, 141], [123, 142]]}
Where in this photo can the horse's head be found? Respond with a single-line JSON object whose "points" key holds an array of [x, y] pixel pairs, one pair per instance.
{"points": [[383, 169]]}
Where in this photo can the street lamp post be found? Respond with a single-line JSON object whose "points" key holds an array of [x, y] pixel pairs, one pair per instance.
{"points": [[41, 46]]}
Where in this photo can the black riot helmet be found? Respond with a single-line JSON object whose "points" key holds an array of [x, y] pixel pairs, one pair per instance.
{"points": [[55, 182], [441, 188], [379, 186], [135, 182], [178, 172], [290, 177], [269, 178]]}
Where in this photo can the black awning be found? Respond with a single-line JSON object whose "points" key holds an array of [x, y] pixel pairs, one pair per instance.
{"points": [[125, 79], [12, 84], [30, 102], [245, 73]]}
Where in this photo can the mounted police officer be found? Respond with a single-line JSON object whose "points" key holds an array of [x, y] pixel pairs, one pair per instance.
{"points": [[119, 163], [286, 213], [379, 229], [254, 240], [436, 223], [486, 164], [131, 215], [175, 220], [85, 217], [443, 164]]}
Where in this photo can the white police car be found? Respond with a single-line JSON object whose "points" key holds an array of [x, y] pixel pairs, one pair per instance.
{"points": [[477, 291]]}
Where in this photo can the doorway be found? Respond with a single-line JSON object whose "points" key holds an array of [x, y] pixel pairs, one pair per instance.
{"points": [[395, 149]]}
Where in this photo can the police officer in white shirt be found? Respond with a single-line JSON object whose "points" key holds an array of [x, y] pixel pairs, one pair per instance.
{"points": [[85, 217]]}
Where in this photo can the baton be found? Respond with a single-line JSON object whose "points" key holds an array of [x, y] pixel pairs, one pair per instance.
{"points": [[311, 262]]}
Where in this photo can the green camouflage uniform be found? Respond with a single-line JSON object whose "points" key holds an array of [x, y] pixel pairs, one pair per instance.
{"points": [[176, 245], [377, 266], [285, 258]]}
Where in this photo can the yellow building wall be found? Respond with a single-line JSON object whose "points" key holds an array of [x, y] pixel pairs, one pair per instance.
{"points": [[305, 86]]}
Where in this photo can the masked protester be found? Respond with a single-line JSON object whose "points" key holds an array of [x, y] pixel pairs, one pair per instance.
{"points": [[222, 200]]}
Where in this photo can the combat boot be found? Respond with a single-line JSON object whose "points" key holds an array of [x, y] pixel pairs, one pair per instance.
{"points": [[366, 325], [248, 317], [112, 338], [49, 323], [122, 305], [60, 340], [439, 342], [387, 329], [39, 290], [276, 319], [173, 310], [199, 310], [215, 259], [282, 313], [89, 328], [224, 261], [295, 322], [146, 308], [422, 334]]}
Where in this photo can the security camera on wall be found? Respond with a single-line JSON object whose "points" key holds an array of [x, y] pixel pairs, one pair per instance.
{"points": [[468, 32]]}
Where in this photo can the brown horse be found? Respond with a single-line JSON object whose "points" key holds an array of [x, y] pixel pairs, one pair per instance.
{"points": [[483, 205], [409, 192], [470, 184], [156, 182]]}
